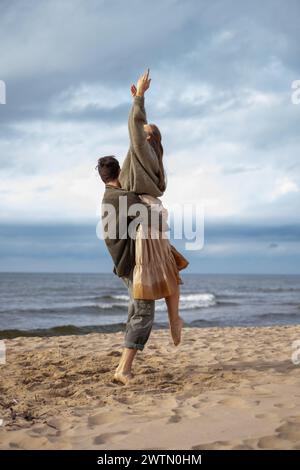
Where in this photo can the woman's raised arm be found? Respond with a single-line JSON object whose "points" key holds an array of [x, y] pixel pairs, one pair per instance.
{"points": [[136, 121], [137, 116]]}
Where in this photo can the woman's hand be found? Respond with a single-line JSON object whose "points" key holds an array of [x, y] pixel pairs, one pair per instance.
{"points": [[133, 90], [143, 84]]}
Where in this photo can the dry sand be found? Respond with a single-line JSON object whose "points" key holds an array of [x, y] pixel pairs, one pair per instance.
{"points": [[224, 388]]}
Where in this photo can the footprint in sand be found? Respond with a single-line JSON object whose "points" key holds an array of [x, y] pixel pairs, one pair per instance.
{"points": [[103, 418], [217, 445], [290, 430], [287, 406], [14, 445], [287, 436], [109, 437], [149, 370], [273, 442], [114, 354], [265, 415], [103, 370], [235, 402], [174, 419]]}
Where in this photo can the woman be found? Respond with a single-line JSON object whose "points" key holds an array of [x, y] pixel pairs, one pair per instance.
{"points": [[156, 273]]}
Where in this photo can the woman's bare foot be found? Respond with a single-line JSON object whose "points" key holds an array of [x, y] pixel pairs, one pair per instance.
{"points": [[123, 377], [176, 327]]}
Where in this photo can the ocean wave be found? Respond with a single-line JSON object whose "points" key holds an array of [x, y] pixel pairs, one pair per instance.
{"points": [[106, 306], [66, 330], [186, 297], [221, 303], [190, 302], [277, 315], [62, 330], [91, 309], [100, 298], [277, 289], [187, 302], [118, 302], [121, 297]]}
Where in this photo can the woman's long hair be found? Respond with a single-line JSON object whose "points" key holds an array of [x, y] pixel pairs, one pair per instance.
{"points": [[154, 140]]}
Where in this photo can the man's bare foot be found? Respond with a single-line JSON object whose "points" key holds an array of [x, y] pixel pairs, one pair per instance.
{"points": [[123, 377], [176, 327]]}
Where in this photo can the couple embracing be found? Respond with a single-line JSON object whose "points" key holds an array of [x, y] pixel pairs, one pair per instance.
{"points": [[145, 260]]}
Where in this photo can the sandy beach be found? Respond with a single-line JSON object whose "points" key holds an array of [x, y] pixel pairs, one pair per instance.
{"points": [[223, 388]]}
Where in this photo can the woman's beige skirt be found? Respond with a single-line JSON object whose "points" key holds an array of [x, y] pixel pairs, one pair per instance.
{"points": [[155, 275], [157, 262]]}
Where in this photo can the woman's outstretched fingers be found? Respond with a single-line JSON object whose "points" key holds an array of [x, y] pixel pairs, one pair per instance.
{"points": [[145, 75], [143, 83]]}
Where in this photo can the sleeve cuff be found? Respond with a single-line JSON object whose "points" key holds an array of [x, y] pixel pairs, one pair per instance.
{"points": [[139, 99]]}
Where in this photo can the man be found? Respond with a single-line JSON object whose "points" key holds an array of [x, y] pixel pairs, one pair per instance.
{"points": [[121, 246]]}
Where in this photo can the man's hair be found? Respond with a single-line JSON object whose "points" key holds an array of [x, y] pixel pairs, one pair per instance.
{"points": [[108, 168]]}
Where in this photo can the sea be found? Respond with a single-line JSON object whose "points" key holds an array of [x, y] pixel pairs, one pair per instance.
{"points": [[41, 304]]}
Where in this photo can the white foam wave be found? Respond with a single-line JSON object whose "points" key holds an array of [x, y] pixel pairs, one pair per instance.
{"points": [[187, 302]]}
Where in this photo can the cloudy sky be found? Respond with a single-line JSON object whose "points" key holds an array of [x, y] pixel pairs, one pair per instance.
{"points": [[222, 74]]}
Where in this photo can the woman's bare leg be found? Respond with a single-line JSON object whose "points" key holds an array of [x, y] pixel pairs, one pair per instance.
{"points": [[123, 372], [175, 321]]}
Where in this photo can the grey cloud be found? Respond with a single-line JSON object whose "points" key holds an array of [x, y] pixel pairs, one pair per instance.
{"points": [[47, 48], [106, 42], [227, 170], [70, 42]]}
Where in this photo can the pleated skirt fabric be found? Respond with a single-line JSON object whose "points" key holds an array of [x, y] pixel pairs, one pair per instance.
{"points": [[156, 274]]}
